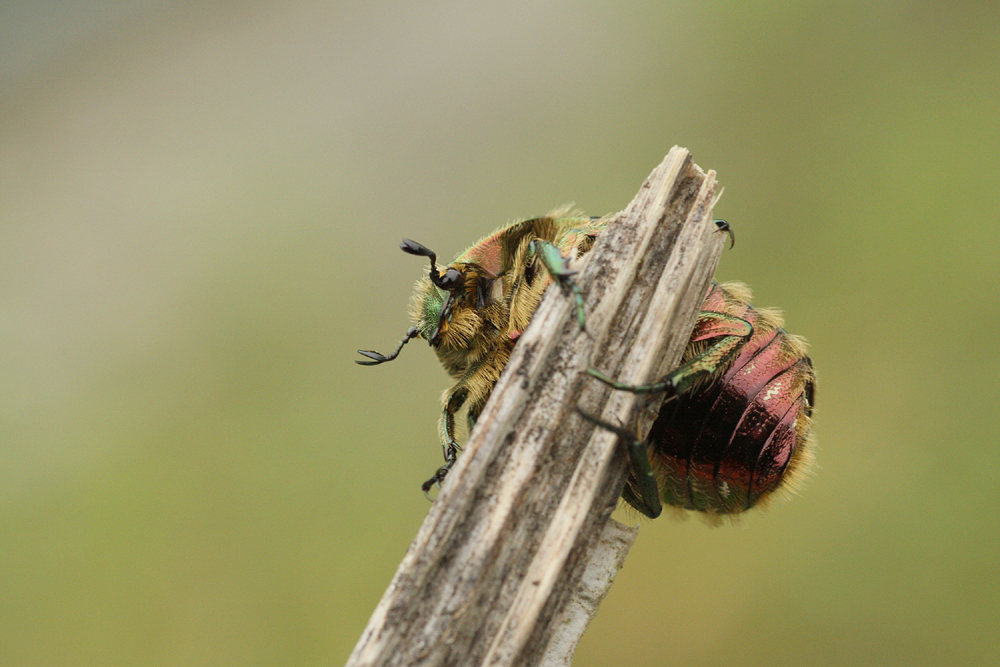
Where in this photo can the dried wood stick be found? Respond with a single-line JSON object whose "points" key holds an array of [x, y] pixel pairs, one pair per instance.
{"points": [[607, 558], [504, 547]]}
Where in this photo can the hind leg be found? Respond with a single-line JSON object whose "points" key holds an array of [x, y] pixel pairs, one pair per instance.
{"points": [[644, 495], [726, 333]]}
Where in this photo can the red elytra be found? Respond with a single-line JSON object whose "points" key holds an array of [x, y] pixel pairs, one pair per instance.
{"points": [[725, 446]]}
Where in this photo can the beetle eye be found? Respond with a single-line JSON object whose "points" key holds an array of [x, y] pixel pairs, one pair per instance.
{"points": [[451, 280]]}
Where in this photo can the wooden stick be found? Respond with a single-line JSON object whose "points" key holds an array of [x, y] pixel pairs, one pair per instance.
{"points": [[608, 557], [506, 543]]}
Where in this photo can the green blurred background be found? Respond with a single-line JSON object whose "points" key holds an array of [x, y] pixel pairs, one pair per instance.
{"points": [[200, 205]]}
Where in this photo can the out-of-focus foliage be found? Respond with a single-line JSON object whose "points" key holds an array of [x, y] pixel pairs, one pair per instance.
{"points": [[199, 211]]}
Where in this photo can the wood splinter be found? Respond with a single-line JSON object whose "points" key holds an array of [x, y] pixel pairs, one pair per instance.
{"points": [[494, 574]]}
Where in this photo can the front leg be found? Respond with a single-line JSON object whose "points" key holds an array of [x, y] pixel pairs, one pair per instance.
{"points": [[453, 402], [558, 267]]}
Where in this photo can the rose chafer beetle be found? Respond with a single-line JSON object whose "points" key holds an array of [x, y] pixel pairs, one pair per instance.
{"points": [[735, 424]]}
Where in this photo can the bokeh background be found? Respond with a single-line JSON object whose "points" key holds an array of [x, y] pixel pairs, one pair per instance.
{"points": [[200, 205]]}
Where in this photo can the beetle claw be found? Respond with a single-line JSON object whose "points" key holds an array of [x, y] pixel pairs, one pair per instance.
{"points": [[436, 479], [725, 228]]}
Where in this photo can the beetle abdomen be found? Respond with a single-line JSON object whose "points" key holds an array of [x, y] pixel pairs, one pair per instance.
{"points": [[725, 445]]}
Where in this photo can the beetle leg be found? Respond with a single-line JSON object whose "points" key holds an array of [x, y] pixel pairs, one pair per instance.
{"points": [[454, 401], [723, 335], [655, 388], [725, 228], [641, 491], [441, 473], [558, 267], [726, 334]]}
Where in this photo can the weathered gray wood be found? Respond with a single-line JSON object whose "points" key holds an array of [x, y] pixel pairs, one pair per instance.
{"points": [[508, 538], [607, 558]]}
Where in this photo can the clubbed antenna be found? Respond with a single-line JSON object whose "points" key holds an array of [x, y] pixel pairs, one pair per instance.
{"points": [[452, 278], [379, 358]]}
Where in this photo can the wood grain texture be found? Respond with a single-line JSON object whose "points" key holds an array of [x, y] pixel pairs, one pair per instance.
{"points": [[506, 542], [607, 558]]}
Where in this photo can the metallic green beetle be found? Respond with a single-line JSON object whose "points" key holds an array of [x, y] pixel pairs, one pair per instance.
{"points": [[736, 421]]}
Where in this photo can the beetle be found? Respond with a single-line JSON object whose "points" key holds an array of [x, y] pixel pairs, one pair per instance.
{"points": [[735, 424]]}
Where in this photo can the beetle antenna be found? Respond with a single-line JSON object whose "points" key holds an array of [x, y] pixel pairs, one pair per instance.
{"points": [[414, 248], [378, 358], [452, 278]]}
